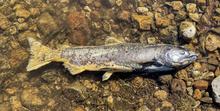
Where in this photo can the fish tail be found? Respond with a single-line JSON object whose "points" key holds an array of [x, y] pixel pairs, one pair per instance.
{"points": [[40, 55]]}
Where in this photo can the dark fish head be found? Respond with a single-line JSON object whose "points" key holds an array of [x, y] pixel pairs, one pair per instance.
{"points": [[179, 57]]}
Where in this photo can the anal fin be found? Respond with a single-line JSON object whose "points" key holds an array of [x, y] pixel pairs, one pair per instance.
{"points": [[73, 69]]}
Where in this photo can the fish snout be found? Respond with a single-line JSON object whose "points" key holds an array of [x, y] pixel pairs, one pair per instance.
{"points": [[193, 56]]}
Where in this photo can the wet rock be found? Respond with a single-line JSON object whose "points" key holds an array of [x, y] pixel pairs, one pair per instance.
{"points": [[217, 71], [182, 74], [30, 97], [212, 42], [181, 15], [167, 104], [176, 5], [142, 10], [161, 20], [17, 57], [143, 21], [143, 108], [4, 22], [197, 94], [79, 28], [187, 30], [207, 100], [46, 23], [195, 16], [201, 84], [124, 15], [191, 7], [137, 81], [161, 95], [216, 89], [166, 79], [178, 85], [20, 12]]}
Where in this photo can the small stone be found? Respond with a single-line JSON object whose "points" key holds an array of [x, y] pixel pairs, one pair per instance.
{"points": [[17, 57], [47, 24], [79, 108], [119, 2], [178, 85], [190, 91], [201, 84], [30, 97], [4, 22], [143, 108], [22, 26], [34, 11], [167, 104], [216, 89], [181, 15], [212, 42], [182, 74], [197, 94], [162, 20], [161, 95], [151, 40], [114, 87], [191, 7], [187, 30], [197, 66], [22, 13], [110, 100], [212, 59], [22, 37], [166, 79], [138, 81], [195, 16], [108, 3], [202, 2], [217, 71], [142, 10], [176, 5], [124, 15], [143, 21], [207, 100]]}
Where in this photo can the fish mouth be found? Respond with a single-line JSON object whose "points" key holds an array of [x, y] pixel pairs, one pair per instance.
{"points": [[193, 56]]}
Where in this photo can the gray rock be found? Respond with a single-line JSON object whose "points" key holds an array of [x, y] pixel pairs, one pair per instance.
{"points": [[216, 89]]}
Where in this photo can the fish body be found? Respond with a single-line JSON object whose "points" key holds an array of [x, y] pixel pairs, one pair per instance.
{"points": [[123, 57]]}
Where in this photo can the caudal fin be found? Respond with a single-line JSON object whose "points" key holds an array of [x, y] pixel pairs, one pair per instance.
{"points": [[40, 55]]}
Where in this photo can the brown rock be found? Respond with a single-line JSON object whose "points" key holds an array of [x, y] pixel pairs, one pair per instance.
{"points": [[137, 81], [176, 5], [212, 42], [197, 94], [46, 24], [182, 74], [79, 108], [79, 28], [161, 95], [217, 72], [124, 15], [178, 85], [114, 87], [22, 13], [167, 104], [201, 84], [203, 2], [213, 59], [162, 20], [143, 21], [17, 57], [195, 16], [4, 22]]}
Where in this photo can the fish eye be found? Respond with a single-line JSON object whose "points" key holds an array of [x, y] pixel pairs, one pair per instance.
{"points": [[182, 52]]}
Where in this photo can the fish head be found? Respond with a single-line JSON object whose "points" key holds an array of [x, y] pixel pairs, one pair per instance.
{"points": [[179, 57]]}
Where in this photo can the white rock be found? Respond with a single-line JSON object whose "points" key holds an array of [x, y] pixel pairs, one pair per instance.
{"points": [[216, 89], [142, 9]]}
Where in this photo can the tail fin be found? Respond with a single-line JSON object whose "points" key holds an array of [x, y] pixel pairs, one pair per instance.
{"points": [[40, 55]]}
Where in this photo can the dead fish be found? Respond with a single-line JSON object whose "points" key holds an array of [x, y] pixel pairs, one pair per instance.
{"points": [[121, 57]]}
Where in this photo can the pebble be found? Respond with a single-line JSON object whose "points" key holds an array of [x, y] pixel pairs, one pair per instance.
{"points": [[79, 30], [161, 95], [182, 74], [20, 12], [119, 2], [167, 104], [191, 7], [4, 22], [178, 85], [217, 71], [30, 97], [207, 100], [197, 94], [124, 15], [143, 21], [137, 81], [195, 16], [17, 57], [187, 30], [46, 23], [143, 108], [212, 42], [166, 79], [201, 84], [176, 5], [142, 10], [22, 37], [151, 40], [79, 108], [161, 20], [35, 11], [216, 89]]}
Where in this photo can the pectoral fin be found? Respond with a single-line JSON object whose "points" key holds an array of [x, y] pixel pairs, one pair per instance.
{"points": [[73, 69], [106, 76]]}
